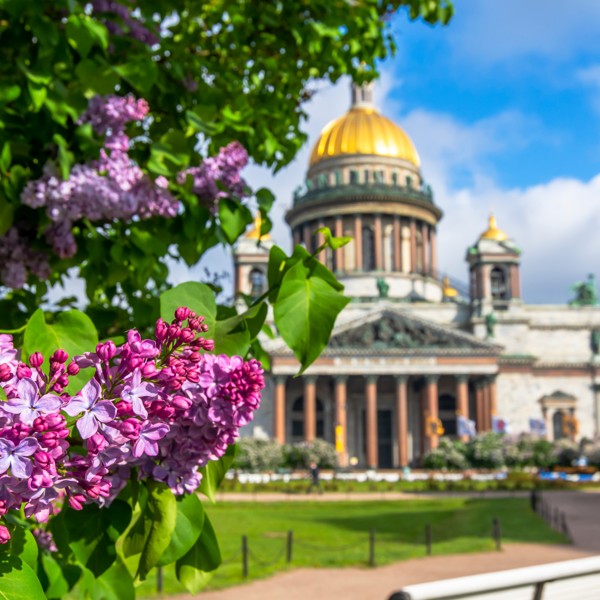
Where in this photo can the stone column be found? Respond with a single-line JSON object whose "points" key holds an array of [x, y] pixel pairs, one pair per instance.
{"points": [[413, 247], [425, 247], [310, 408], [279, 412], [479, 422], [462, 399], [515, 292], [297, 236], [402, 419], [341, 420], [371, 421], [487, 417], [432, 410], [307, 237], [433, 244], [397, 244], [377, 234], [339, 253], [320, 236], [358, 242], [493, 398]]}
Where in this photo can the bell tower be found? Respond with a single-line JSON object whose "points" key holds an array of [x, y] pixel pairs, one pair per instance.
{"points": [[494, 269], [250, 260]]}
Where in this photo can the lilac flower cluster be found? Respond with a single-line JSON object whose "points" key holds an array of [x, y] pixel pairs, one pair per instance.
{"points": [[164, 406], [18, 259], [218, 176], [135, 28], [113, 187]]}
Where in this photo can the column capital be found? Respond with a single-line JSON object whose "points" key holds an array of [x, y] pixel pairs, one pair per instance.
{"points": [[340, 378], [371, 378], [310, 379], [280, 379], [432, 378], [462, 378], [401, 378]]}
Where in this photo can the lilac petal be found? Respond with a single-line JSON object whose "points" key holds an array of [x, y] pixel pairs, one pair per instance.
{"points": [[154, 432], [75, 406], [27, 447], [91, 392], [104, 411], [29, 415], [21, 467], [48, 403], [138, 407], [15, 406], [87, 425], [28, 391], [142, 446], [4, 463]]}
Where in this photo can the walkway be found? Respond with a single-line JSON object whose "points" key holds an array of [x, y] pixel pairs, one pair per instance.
{"points": [[582, 511]]}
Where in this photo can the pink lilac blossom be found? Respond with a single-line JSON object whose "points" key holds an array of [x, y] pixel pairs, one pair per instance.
{"points": [[133, 27], [162, 406], [18, 259], [112, 187], [218, 176]]}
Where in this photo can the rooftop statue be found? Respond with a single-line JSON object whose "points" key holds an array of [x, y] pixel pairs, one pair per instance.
{"points": [[490, 323], [383, 287], [585, 292]]}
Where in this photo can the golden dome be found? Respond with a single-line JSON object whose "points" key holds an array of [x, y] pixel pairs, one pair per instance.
{"points": [[254, 233], [492, 232], [363, 130]]}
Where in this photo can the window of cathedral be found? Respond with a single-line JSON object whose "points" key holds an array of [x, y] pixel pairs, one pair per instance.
{"points": [[499, 284], [368, 249], [258, 283], [558, 426], [366, 176], [353, 176], [419, 258], [338, 177], [322, 180], [394, 178], [408, 181], [379, 176]]}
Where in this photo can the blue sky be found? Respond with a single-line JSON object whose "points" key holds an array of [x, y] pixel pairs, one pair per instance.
{"points": [[503, 106]]}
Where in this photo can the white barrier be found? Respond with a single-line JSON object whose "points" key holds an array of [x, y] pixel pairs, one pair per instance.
{"points": [[568, 580]]}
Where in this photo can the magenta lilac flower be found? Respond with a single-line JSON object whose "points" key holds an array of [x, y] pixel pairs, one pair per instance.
{"points": [[162, 406]]}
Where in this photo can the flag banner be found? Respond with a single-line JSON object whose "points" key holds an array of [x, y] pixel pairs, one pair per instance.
{"points": [[465, 426], [537, 426], [500, 425]]}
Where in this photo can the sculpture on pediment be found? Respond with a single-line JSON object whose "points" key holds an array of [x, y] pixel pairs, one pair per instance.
{"points": [[585, 292], [490, 323], [383, 287]]}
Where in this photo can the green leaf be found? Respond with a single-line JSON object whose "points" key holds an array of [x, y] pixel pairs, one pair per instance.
{"points": [[333, 242], [83, 33], [141, 73], [193, 570], [161, 511], [61, 577], [305, 312], [9, 93], [234, 218], [23, 545], [213, 473], [90, 534], [18, 580], [5, 157], [197, 296], [114, 584], [188, 527], [73, 331], [7, 212]]}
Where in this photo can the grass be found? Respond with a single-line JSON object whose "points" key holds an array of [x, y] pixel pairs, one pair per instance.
{"points": [[336, 534]]}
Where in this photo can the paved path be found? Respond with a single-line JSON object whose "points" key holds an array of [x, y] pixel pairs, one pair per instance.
{"points": [[582, 512], [379, 583]]}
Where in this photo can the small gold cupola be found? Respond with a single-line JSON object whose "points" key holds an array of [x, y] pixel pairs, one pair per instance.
{"points": [[492, 232]]}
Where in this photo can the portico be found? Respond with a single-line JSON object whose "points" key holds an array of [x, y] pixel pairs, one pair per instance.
{"points": [[386, 409]]}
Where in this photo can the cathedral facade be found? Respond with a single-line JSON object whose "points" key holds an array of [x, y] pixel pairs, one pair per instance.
{"points": [[415, 355]]}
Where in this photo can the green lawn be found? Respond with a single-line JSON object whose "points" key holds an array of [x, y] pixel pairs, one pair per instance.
{"points": [[334, 534]]}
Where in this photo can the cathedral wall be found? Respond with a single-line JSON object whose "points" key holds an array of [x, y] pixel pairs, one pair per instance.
{"points": [[518, 396]]}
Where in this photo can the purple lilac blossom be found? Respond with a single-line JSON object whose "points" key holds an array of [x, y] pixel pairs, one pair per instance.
{"points": [[194, 403], [133, 27]]}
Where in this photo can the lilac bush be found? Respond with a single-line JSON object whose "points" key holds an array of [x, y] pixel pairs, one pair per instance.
{"points": [[158, 409]]}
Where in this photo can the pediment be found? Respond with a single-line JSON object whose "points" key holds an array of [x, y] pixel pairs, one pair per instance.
{"points": [[396, 331]]}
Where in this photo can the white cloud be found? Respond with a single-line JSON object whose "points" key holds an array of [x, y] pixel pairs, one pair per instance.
{"points": [[493, 32]]}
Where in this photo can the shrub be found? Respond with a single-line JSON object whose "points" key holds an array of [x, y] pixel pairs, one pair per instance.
{"points": [[486, 451], [449, 455], [258, 455], [300, 455]]}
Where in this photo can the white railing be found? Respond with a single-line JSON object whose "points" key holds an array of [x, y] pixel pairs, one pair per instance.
{"points": [[569, 580]]}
